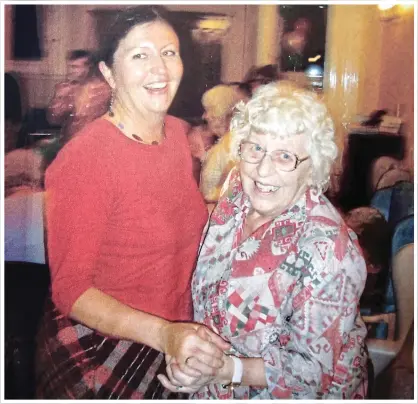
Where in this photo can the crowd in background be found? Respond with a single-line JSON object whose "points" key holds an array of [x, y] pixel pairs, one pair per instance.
{"points": [[84, 96]]}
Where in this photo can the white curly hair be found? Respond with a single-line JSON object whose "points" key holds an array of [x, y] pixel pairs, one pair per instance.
{"points": [[285, 109]]}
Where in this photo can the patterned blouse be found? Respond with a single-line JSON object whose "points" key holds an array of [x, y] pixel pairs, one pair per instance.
{"points": [[289, 294]]}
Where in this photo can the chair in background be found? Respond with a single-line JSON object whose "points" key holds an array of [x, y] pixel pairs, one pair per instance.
{"points": [[402, 202], [395, 202], [382, 352], [26, 287], [392, 177], [379, 167], [381, 200]]}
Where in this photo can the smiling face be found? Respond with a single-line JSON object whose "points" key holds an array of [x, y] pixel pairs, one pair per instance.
{"points": [[147, 69], [270, 190]]}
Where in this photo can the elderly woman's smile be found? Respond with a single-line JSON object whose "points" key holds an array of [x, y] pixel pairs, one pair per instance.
{"points": [[265, 189], [265, 163]]}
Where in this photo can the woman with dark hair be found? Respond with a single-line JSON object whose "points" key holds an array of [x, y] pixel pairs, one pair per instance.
{"points": [[124, 219]]}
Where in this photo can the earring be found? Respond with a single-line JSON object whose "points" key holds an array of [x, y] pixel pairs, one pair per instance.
{"points": [[110, 112]]}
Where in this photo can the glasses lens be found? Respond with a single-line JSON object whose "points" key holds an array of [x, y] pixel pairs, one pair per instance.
{"points": [[251, 152], [284, 160]]}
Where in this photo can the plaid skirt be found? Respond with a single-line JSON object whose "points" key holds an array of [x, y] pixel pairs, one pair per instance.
{"points": [[75, 362]]}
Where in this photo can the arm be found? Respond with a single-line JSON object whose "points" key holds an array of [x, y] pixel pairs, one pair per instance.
{"points": [[107, 315], [78, 206]]}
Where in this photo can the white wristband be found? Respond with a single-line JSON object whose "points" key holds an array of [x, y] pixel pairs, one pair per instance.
{"points": [[238, 370]]}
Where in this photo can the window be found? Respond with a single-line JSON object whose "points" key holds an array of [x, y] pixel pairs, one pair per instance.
{"points": [[27, 32]]}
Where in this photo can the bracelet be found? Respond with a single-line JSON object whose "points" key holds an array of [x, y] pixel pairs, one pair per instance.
{"points": [[237, 376], [238, 370]]}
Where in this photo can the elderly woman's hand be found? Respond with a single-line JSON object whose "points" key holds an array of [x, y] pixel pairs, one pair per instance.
{"points": [[197, 349]]}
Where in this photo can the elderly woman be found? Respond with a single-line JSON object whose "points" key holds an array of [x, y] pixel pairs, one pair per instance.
{"points": [[279, 274], [124, 220]]}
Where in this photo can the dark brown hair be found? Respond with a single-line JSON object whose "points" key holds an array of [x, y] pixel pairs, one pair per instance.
{"points": [[125, 21], [80, 54]]}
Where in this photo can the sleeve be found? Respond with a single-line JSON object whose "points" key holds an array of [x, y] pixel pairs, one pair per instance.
{"points": [[78, 203], [320, 353]]}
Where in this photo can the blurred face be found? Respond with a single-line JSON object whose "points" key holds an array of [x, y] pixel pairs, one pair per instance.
{"points": [[270, 190], [147, 68], [218, 125], [78, 69]]}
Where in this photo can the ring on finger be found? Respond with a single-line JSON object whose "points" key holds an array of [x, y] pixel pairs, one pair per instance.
{"points": [[179, 387], [187, 360]]}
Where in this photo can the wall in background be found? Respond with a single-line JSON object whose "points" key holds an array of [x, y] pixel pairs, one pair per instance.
{"points": [[369, 62], [68, 27], [396, 89], [369, 66]]}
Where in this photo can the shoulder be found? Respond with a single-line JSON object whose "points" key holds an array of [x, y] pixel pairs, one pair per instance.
{"points": [[97, 133], [329, 240], [177, 125], [93, 146], [65, 86], [196, 133], [321, 212], [325, 223]]}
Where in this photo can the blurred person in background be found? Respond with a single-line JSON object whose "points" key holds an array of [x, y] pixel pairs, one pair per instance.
{"points": [[81, 98], [12, 112], [219, 103], [201, 139], [257, 76], [124, 220]]}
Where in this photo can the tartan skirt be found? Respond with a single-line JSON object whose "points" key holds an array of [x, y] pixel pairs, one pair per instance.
{"points": [[76, 362]]}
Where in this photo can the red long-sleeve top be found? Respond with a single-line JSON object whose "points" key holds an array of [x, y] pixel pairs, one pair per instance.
{"points": [[126, 218]]}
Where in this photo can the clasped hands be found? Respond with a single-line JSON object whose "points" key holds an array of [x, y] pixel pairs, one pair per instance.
{"points": [[195, 357]]}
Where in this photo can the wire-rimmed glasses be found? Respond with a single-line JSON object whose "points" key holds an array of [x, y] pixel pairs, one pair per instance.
{"points": [[283, 160]]}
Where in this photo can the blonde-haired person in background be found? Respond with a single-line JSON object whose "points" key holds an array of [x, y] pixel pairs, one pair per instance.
{"points": [[279, 273], [219, 103]]}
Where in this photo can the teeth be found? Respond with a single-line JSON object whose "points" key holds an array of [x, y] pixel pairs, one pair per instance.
{"points": [[156, 86], [266, 188]]}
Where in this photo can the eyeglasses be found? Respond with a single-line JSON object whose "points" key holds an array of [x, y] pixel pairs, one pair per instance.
{"points": [[283, 160]]}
